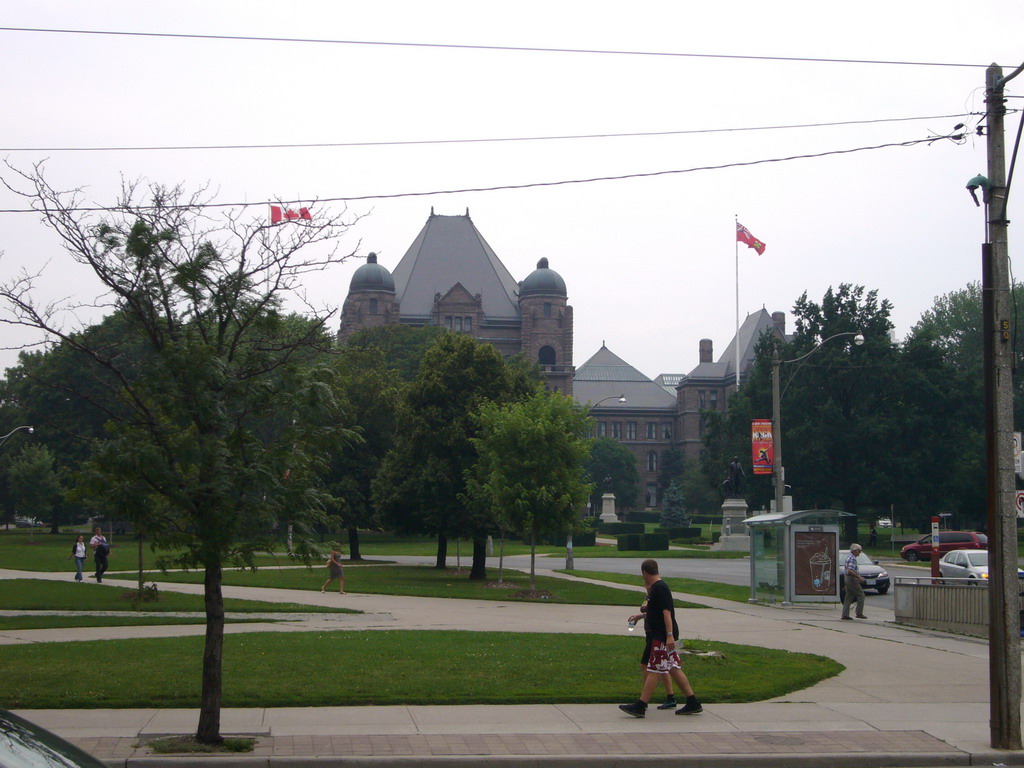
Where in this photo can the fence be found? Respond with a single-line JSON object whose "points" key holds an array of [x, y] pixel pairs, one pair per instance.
{"points": [[951, 605]]}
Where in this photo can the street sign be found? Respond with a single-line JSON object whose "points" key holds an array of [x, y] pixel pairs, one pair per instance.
{"points": [[1017, 465], [1020, 504]]}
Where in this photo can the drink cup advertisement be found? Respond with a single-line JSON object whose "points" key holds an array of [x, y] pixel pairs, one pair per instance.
{"points": [[815, 566]]}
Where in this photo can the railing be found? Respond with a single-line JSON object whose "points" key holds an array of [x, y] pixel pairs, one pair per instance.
{"points": [[951, 605]]}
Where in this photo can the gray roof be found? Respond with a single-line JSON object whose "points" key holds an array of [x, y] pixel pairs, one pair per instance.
{"points": [[450, 250], [606, 375], [750, 332]]}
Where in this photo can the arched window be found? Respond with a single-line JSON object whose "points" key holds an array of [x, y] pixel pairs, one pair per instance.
{"points": [[546, 356], [652, 461]]}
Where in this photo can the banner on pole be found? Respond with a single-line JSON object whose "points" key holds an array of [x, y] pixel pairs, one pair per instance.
{"points": [[762, 446]]}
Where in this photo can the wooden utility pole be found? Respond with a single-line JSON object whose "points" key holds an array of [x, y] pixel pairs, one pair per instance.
{"points": [[1004, 587]]}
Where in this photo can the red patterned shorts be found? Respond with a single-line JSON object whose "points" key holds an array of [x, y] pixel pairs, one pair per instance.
{"points": [[662, 659]]}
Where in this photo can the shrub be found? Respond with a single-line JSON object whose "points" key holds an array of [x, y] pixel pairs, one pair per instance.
{"points": [[616, 528]]}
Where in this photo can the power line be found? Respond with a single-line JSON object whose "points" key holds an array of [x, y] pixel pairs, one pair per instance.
{"points": [[512, 48], [420, 142], [956, 137]]}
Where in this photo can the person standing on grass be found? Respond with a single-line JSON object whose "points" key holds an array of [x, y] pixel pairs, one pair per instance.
{"points": [[335, 571], [664, 660], [78, 552], [670, 698], [100, 552]]}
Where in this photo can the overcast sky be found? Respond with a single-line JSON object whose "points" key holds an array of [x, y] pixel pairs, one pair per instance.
{"points": [[649, 261]]}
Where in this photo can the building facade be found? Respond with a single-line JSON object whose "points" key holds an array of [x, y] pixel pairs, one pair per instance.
{"points": [[450, 277]]}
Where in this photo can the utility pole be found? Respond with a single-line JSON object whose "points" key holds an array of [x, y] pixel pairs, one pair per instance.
{"points": [[1004, 588]]}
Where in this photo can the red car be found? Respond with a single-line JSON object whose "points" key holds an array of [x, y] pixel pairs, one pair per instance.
{"points": [[948, 541]]}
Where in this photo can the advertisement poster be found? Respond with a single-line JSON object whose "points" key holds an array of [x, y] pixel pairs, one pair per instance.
{"points": [[814, 562], [762, 446]]}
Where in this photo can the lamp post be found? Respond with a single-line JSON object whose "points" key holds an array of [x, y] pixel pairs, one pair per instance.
{"points": [[25, 427], [778, 471], [620, 398]]}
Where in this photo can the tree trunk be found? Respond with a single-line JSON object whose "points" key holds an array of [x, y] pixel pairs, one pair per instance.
{"points": [[533, 561], [479, 570], [442, 552], [213, 657], [353, 544]]}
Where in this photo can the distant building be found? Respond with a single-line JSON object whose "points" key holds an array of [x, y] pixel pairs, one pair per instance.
{"points": [[450, 277]]}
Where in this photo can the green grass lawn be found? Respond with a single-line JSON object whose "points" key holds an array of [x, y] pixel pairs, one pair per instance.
{"points": [[42, 595], [69, 622], [679, 586], [311, 669], [425, 581]]}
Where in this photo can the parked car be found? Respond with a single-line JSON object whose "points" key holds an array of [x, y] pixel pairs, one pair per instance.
{"points": [[970, 564], [948, 541], [884, 522], [24, 744], [875, 577]]}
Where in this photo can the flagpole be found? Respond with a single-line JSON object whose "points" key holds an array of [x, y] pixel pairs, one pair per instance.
{"points": [[736, 249]]}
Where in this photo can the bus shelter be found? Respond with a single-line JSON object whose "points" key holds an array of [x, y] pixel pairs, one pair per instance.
{"points": [[794, 556]]}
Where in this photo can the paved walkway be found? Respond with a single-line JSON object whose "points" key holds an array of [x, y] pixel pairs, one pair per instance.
{"points": [[907, 697]]}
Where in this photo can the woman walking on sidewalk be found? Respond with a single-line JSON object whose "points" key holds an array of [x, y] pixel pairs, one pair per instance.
{"points": [[335, 571], [78, 552]]}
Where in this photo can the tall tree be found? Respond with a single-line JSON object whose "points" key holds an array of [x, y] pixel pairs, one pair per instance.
{"points": [[610, 458], [223, 430], [421, 483], [531, 465], [35, 483]]}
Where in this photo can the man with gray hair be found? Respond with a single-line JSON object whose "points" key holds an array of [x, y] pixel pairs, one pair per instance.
{"points": [[854, 584]]}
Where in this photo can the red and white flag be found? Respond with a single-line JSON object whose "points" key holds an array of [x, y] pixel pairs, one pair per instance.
{"points": [[279, 214], [743, 236]]}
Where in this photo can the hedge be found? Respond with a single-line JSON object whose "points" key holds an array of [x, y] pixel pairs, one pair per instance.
{"points": [[617, 528], [642, 542]]}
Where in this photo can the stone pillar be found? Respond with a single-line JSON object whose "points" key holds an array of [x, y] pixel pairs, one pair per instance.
{"points": [[608, 508], [734, 536]]}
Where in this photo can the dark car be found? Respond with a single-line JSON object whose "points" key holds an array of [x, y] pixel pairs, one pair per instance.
{"points": [[874, 575], [948, 541], [26, 745]]}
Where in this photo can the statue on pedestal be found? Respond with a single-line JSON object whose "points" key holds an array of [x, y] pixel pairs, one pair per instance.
{"points": [[731, 484]]}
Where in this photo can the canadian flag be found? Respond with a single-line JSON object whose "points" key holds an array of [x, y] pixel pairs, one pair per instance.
{"points": [[279, 214]]}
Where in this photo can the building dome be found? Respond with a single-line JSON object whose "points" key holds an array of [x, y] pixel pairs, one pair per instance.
{"points": [[542, 282], [372, 277]]}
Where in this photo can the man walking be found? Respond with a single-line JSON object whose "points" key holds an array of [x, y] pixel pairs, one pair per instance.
{"points": [[100, 550], [664, 660], [854, 584]]}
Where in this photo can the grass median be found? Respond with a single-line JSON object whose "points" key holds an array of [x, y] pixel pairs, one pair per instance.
{"points": [[678, 585], [314, 669]]}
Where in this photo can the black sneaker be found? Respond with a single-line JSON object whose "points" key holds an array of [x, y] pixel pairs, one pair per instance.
{"points": [[690, 709], [668, 704], [636, 709]]}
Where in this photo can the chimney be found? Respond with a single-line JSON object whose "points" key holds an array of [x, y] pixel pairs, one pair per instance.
{"points": [[779, 318], [705, 351]]}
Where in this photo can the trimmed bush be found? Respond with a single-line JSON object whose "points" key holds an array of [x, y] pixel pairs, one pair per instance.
{"points": [[689, 532], [642, 517], [579, 539], [629, 542], [617, 528], [653, 541]]}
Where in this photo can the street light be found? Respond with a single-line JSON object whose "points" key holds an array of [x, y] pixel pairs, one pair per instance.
{"points": [[778, 470], [620, 398], [4, 438]]}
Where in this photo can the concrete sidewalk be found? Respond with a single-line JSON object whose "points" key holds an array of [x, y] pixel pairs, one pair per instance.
{"points": [[907, 697]]}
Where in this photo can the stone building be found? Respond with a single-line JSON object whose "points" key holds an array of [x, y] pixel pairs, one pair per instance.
{"points": [[450, 277]]}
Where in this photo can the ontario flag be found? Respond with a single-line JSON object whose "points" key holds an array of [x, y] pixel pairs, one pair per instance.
{"points": [[743, 236], [279, 214]]}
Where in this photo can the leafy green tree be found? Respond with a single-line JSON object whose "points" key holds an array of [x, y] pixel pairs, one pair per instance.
{"points": [[223, 427], [35, 483], [403, 347], [674, 507], [530, 467], [701, 495], [672, 464], [371, 394], [610, 458], [420, 487]]}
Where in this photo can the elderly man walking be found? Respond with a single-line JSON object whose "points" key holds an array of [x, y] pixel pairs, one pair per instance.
{"points": [[854, 584]]}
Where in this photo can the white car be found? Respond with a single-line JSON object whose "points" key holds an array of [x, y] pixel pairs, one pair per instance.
{"points": [[970, 564]]}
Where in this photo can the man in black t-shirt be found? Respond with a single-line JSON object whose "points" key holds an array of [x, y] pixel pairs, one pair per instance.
{"points": [[664, 660]]}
